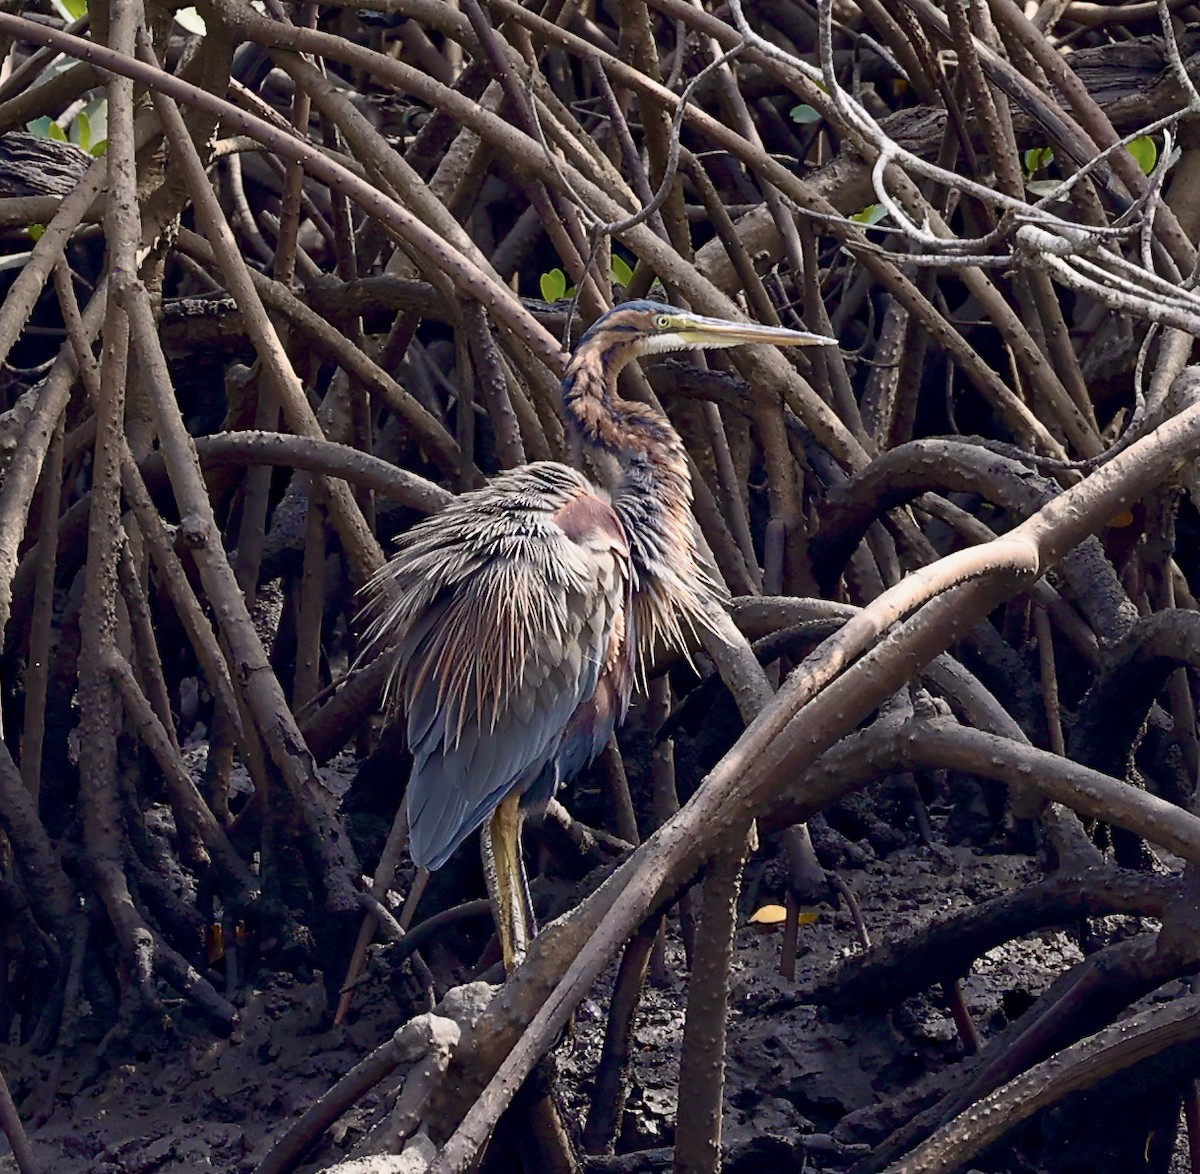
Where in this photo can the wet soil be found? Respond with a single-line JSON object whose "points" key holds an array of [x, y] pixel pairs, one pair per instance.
{"points": [[174, 1100]]}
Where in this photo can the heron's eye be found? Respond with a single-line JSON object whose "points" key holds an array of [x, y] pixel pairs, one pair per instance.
{"points": [[662, 321]]}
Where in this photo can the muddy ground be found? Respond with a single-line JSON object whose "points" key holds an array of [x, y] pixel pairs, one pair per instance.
{"points": [[175, 1100]]}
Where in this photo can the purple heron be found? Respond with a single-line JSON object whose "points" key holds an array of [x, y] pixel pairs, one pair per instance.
{"points": [[520, 614]]}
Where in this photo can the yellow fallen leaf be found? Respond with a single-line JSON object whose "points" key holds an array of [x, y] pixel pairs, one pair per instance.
{"points": [[769, 915]]}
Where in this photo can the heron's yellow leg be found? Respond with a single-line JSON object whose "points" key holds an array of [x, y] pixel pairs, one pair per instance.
{"points": [[504, 869]]}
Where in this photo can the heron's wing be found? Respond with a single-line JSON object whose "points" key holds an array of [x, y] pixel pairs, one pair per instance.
{"points": [[509, 619], [597, 716]]}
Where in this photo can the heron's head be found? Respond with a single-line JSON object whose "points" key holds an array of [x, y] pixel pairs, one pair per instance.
{"points": [[646, 328]]}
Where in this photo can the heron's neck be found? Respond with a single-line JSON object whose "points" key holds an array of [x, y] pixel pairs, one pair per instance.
{"points": [[641, 438], [653, 499]]}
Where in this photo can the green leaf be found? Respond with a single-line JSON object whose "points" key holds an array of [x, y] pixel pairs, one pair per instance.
{"points": [[98, 149], [622, 271], [804, 114], [35, 232], [1036, 159], [97, 116], [40, 127], [190, 21], [871, 214], [81, 130], [553, 285], [57, 133], [1144, 152], [71, 9]]}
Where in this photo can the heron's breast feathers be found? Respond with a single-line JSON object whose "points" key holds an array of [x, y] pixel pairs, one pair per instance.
{"points": [[513, 590]]}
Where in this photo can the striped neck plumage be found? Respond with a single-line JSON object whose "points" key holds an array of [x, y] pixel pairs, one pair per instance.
{"points": [[640, 437], [652, 498]]}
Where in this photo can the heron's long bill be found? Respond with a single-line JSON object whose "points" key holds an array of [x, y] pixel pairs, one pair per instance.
{"points": [[697, 330]]}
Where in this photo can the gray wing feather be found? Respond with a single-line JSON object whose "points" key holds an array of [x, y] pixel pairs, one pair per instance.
{"points": [[451, 793], [470, 750], [504, 626]]}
